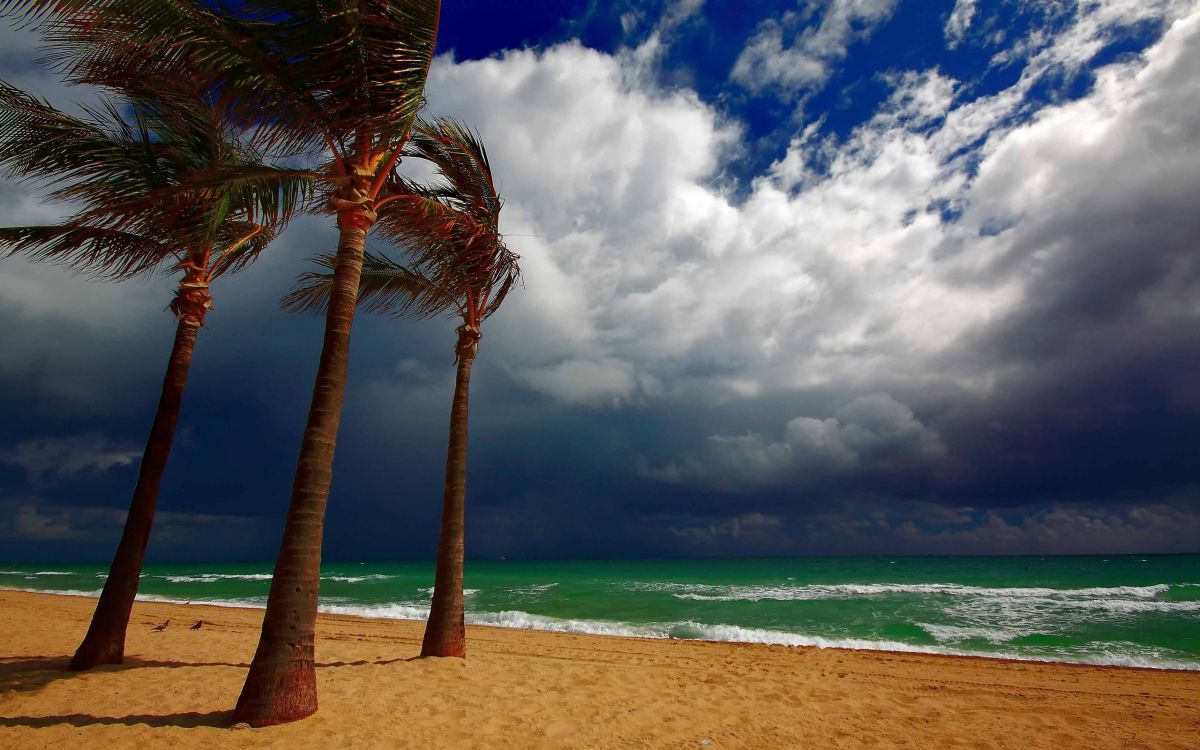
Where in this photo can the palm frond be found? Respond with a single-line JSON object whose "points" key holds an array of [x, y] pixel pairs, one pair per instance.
{"points": [[305, 74], [313, 288], [462, 162], [454, 257], [167, 170], [39, 143], [99, 252], [390, 288], [384, 287], [240, 244], [449, 230], [508, 275], [271, 194]]}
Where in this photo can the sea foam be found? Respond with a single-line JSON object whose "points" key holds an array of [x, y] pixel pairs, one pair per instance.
{"points": [[1117, 654], [358, 579], [709, 592], [214, 577]]}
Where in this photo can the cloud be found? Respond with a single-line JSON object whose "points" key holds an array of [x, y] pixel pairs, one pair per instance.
{"points": [[644, 58], [871, 433], [579, 381], [678, 12], [1071, 529], [1064, 36], [907, 258], [806, 62], [67, 457], [755, 529], [959, 22], [916, 528], [31, 523], [618, 178], [26, 521]]}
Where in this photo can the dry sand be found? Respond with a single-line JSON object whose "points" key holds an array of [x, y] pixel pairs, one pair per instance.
{"points": [[522, 689]]}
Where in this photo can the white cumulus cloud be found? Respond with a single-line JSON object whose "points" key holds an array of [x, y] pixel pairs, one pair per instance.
{"points": [[797, 53]]}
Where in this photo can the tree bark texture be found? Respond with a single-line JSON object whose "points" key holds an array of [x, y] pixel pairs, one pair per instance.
{"points": [[282, 683], [105, 639], [445, 632]]}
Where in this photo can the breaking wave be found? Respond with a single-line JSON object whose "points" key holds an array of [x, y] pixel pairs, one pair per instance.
{"points": [[428, 591], [65, 592], [959, 633], [687, 630], [1108, 653], [358, 579], [214, 577], [708, 592]]}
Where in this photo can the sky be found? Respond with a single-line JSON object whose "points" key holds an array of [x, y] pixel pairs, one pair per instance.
{"points": [[801, 277]]}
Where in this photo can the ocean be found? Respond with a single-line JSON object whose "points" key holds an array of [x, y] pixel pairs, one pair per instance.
{"points": [[1133, 610]]}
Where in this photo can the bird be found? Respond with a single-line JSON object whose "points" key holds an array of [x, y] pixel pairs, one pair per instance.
{"points": [[161, 626], [197, 625]]}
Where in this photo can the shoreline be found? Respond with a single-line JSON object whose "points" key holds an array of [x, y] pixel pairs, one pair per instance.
{"points": [[526, 688], [820, 643]]}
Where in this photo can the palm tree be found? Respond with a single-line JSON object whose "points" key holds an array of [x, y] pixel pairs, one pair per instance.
{"points": [[345, 79], [458, 263], [132, 177]]}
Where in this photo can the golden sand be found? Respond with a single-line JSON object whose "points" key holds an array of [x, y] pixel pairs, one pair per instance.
{"points": [[523, 689]]}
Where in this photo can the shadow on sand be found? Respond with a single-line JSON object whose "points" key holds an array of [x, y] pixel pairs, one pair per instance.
{"points": [[185, 719], [365, 662], [36, 672]]}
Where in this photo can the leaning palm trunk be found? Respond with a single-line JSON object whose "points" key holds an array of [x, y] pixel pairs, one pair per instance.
{"points": [[105, 639], [445, 633], [281, 685]]}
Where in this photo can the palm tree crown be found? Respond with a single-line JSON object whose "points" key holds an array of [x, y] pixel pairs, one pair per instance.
{"points": [[312, 73], [138, 182], [456, 260]]}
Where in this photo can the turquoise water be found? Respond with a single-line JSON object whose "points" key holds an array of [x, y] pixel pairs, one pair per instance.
{"points": [[1132, 610]]}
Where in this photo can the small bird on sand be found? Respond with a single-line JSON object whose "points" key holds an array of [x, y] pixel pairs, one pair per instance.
{"points": [[161, 626], [198, 624]]}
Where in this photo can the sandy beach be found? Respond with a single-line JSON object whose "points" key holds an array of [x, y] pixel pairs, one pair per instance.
{"points": [[524, 689]]}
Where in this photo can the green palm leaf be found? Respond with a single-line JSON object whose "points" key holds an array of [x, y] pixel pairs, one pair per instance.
{"points": [[455, 260], [142, 180], [303, 73], [384, 287], [96, 251]]}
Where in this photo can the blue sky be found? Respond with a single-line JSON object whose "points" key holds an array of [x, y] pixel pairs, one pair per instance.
{"points": [[829, 277]]}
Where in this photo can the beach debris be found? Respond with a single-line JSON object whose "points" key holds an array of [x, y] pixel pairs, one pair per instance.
{"points": [[161, 626], [705, 742], [198, 625]]}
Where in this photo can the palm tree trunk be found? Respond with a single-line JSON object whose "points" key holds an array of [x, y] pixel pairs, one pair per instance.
{"points": [[282, 683], [445, 633], [105, 639]]}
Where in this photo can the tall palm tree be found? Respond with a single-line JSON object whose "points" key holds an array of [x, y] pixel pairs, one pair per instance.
{"points": [[139, 211], [345, 79], [457, 262]]}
